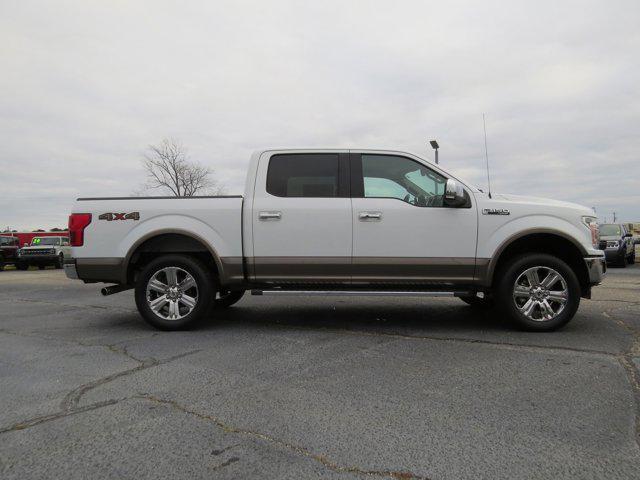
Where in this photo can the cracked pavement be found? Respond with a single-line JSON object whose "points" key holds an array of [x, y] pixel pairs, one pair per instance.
{"points": [[332, 387]]}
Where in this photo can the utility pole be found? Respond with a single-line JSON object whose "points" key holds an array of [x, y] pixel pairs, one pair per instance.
{"points": [[614, 217]]}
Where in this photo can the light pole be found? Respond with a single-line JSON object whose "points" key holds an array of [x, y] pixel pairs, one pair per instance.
{"points": [[435, 146]]}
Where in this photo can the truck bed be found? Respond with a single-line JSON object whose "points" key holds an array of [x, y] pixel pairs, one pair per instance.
{"points": [[120, 223]]}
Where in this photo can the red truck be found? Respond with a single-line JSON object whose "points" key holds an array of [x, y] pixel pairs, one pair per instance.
{"points": [[9, 247]]}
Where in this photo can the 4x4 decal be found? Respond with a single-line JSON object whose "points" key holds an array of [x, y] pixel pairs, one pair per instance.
{"points": [[119, 216]]}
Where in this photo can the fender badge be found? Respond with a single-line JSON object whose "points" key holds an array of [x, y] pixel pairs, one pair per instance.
{"points": [[496, 211], [109, 217]]}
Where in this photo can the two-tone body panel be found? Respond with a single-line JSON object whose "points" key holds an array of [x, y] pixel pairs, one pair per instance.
{"points": [[332, 216], [110, 240]]}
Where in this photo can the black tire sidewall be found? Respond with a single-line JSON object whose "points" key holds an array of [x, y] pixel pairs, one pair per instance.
{"points": [[204, 282], [510, 273]]}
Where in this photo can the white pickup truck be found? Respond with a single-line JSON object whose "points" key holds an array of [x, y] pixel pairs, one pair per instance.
{"points": [[343, 222]]}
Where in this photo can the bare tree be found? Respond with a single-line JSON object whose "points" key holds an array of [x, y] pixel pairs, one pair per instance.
{"points": [[169, 168]]}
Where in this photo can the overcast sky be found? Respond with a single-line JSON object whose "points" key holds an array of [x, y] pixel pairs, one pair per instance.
{"points": [[86, 86]]}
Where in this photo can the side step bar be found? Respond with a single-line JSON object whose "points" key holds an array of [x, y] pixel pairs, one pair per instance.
{"points": [[362, 293]]}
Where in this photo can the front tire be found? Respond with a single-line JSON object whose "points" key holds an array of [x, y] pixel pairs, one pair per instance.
{"points": [[174, 292], [538, 292], [60, 261], [22, 266]]}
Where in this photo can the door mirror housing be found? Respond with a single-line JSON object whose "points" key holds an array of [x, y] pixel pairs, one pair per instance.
{"points": [[454, 194]]}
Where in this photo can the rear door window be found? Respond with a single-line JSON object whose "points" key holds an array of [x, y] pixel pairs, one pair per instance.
{"points": [[304, 175]]}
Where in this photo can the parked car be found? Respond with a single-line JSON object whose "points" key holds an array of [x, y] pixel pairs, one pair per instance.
{"points": [[617, 243], [45, 251], [9, 247], [341, 222]]}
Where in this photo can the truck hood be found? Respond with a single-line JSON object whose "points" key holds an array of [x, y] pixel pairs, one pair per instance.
{"points": [[523, 199]]}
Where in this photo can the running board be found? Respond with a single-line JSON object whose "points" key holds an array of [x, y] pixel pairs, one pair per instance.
{"points": [[362, 293]]}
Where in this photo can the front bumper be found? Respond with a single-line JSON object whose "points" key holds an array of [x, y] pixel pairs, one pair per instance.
{"points": [[614, 255], [597, 268], [38, 259]]}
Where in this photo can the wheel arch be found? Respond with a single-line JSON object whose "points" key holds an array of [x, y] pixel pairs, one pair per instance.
{"points": [[549, 241], [171, 240]]}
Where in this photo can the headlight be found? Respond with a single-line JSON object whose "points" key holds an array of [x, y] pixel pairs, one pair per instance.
{"points": [[592, 224], [613, 244]]}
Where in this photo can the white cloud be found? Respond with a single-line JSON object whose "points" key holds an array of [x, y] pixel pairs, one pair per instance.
{"points": [[85, 87]]}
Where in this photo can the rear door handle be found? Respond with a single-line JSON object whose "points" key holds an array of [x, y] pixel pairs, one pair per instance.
{"points": [[270, 215], [370, 215]]}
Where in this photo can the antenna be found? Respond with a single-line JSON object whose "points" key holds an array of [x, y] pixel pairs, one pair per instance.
{"points": [[486, 153]]}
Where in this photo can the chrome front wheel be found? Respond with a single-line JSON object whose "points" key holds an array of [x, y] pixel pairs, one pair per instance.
{"points": [[172, 293], [540, 293]]}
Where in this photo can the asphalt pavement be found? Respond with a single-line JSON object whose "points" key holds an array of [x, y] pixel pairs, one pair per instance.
{"points": [[333, 387]]}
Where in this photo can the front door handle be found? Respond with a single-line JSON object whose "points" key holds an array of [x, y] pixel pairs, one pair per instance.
{"points": [[270, 215], [370, 215]]}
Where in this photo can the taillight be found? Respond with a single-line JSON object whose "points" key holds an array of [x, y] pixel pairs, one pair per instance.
{"points": [[77, 223]]}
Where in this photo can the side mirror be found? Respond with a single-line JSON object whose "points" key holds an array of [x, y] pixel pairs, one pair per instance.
{"points": [[453, 194]]}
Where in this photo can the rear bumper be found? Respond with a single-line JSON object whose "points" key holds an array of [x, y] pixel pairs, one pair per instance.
{"points": [[597, 268], [70, 270], [90, 270]]}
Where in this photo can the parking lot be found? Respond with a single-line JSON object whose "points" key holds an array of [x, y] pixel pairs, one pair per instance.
{"points": [[298, 387]]}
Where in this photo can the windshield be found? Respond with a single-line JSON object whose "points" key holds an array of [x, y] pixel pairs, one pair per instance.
{"points": [[45, 241], [610, 230]]}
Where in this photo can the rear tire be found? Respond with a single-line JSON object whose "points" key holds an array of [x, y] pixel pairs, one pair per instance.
{"points": [[174, 292], [228, 299], [41, 267], [1, 263], [22, 266], [632, 258], [530, 297]]}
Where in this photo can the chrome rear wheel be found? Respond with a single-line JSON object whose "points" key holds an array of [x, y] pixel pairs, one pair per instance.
{"points": [[172, 293]]}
